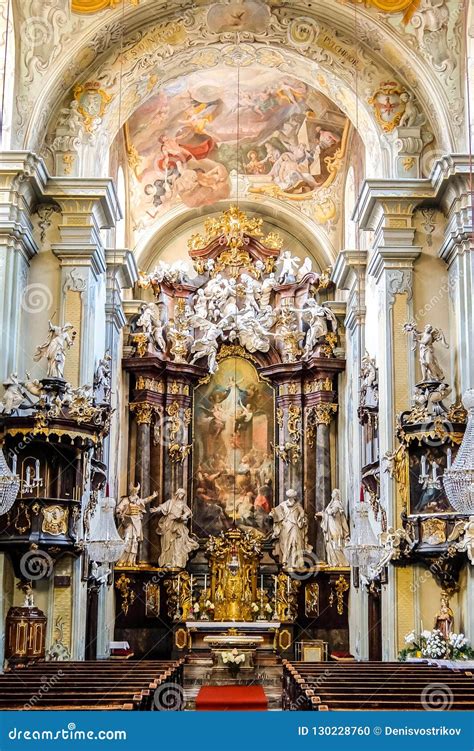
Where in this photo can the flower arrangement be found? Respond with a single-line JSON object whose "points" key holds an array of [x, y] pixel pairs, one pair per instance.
{"points": [[233, 660], [254, 607], [433, 644]]}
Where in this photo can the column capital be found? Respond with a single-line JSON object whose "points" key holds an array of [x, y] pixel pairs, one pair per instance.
{"points": [[397, 259], [143, 411], [323, 412]]}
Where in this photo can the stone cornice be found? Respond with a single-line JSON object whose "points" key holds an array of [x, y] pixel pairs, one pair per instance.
{"points": [[123, 262], [87, 195], [349, 264], [392, 258]]}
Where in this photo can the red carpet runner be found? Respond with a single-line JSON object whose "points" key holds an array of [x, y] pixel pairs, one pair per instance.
{"points": [[231, 698]]}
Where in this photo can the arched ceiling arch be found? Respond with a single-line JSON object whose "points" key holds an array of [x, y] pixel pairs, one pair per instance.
{"points": [[322, 32], [309, 238]]}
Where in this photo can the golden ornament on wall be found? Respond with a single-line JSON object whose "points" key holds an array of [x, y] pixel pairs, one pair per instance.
{"points": [[92, 101], [55, 519], [387, 105]]}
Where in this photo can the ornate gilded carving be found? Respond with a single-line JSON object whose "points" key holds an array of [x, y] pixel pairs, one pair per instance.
{"points": [[55, 520], [150, 384], [179, 421], [233, 224], [234, 350], [323, 412], [341, 585], [289, 452], [311, 600], [433, 531], [294, 422], [92, 101], [233, 559], [178, 589], [286, 597], [143, 411], [127, 594], [140, 343]]}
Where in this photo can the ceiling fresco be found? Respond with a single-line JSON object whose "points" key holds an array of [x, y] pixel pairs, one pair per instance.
{"points": [[291, 140]]}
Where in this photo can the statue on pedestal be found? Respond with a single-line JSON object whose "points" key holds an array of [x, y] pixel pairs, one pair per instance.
{"points": [[430, 367], [290, 531], [130, 511], [445, 618], [335, 530], [54, 349], [176, 542], [150, 322]]}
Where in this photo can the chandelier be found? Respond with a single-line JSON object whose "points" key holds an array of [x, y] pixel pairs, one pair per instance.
{"points": [[9, 486], [458, 480], [363, 550], [105, 544]]}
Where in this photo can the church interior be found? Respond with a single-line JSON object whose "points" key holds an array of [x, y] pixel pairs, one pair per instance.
{"points": [[237, 354]]}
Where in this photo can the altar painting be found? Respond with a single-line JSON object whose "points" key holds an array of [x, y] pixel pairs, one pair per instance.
{"points": [[427, 465], [184, 139], [233, 458]]}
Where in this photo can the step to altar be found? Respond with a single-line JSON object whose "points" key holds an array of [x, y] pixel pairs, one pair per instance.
{"points": [[200, 671]]}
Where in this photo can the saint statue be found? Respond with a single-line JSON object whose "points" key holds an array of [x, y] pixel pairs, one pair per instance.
{"points": [[131, 511], [335, 530], [54, 349], [445, 617], [150, 322], [426, 339], [290, 531], [176, 542]]}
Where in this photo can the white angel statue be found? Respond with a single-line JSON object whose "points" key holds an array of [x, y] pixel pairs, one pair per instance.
{"points": [[430, 367], [54, 349]]}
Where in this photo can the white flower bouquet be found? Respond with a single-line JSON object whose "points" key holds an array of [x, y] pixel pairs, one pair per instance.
{"points": [[433, 644], [233, 659]]}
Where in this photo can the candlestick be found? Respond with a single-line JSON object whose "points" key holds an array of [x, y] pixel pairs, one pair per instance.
{"points": [[449, 458], [205, 582], [191, 585], [434, 467], [178, 605], [37, 469], [14, 464], [423, 465]]}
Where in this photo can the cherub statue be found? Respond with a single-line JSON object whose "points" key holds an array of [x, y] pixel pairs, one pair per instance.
{"points": [[150, 322], [288, 265], [430, 367], [411, 116], [54, 349], [16, 392], [71, 119], [131, 511], [103, 375], [176, 542], [463, 533], [335, 530], [394, 542]]}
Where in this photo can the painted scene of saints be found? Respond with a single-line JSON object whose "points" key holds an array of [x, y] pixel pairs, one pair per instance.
{"points": [[233, 470]]}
